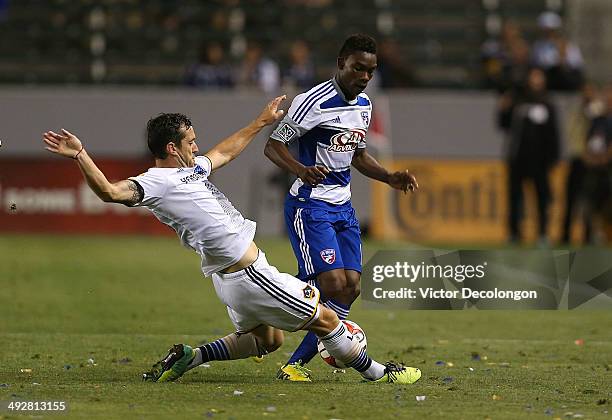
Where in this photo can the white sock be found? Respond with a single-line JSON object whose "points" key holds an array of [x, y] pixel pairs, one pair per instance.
{"points": [[197, 359], [342, 347]]}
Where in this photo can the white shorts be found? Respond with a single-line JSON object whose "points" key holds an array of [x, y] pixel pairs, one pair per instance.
{"points": [[261, 295]]}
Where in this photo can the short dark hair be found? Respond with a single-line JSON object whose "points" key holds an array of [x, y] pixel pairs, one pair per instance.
{"points": [[163, 129], [357, 42]]}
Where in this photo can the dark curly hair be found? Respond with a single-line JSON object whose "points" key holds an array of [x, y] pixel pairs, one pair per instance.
{"points": [[163, 129], [356, 43]]}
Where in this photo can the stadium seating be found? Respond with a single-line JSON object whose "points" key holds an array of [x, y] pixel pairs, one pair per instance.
{"points": [[151, 42]]}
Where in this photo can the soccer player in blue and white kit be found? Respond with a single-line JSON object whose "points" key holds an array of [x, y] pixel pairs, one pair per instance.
{"points": [[330, 121]]}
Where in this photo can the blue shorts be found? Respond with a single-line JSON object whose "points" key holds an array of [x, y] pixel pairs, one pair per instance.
{"points": [[323, 240]]}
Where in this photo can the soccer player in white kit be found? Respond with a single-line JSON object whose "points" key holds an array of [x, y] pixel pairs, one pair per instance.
{"points": [[261, 301]]}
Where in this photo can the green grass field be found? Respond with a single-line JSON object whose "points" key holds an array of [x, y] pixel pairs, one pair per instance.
{"points": [[82, 317]]}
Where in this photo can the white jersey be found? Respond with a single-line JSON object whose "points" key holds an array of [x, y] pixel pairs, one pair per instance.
{"points": [[203, 218], [329, 128]]}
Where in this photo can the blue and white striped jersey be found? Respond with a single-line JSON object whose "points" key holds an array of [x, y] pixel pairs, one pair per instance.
{"points": [[329, 128]]}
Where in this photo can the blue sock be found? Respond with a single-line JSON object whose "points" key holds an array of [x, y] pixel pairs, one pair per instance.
{"points": [[340, 309], [306, 350], [308, 347], [217, 350]]}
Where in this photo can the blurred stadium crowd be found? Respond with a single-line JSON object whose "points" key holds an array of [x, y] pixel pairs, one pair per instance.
{"points": [[257, 43]]}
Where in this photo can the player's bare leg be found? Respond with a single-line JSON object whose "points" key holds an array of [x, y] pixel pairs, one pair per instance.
{"points": [[353, 287], [340, 285], [272, 338], [181, 357]]}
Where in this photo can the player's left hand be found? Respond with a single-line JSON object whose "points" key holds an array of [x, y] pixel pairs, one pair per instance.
{"points": [[403, 180], [271, 112], [65, 144]]}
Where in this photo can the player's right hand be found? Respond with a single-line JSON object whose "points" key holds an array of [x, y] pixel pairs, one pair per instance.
{"points": [[271, 113], [65, 144], [313, 175]]}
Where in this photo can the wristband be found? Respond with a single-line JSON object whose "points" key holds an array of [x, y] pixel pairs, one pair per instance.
{"points": [[78, 153]]}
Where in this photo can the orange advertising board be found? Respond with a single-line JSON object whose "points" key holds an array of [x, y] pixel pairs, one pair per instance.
{"points": [[459, 201]]}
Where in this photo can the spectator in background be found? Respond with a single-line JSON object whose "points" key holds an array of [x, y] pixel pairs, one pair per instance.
{"points": [[598, 159], [531, 122], [301, 71], [560, 58], [515, 70], [505, 59], [212, 70], [392, 70], [258, 71], [579, 124]]}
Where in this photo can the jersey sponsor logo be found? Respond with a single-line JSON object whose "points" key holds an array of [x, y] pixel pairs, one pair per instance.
{"points": [[346, 141], [192, 178], [286, 132], [309, 292], [198, 174], [328, 255], [366, 118]]}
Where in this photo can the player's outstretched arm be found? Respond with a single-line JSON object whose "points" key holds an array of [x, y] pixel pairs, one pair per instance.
{"points": [[228, 149], [369, 166], [68, 145]]}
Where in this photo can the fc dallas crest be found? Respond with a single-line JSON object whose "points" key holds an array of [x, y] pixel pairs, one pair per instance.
{"points": [[328, 255]]}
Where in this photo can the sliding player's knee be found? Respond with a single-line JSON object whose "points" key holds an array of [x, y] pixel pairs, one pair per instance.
{"points": [[273, 346], [273, 341], [329, 317], [266, 339], [277, 341], [325, 323]]}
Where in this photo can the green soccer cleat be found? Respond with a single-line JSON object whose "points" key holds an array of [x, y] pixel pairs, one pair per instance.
{"points": [[399, 374], [294, 372], [173, 366]]}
